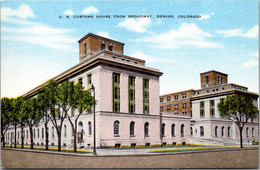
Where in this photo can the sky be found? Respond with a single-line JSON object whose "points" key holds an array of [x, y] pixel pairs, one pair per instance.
{"points": [[39, 39]]}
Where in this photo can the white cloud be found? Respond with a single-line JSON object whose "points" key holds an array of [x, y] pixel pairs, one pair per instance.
{"points": [[142, 56], [206, 16], [68, 12], [35, 33], [185, 35], [254, 54], [24, 11], [250, 64], [252, 33], [136, 25], [90, 10]]}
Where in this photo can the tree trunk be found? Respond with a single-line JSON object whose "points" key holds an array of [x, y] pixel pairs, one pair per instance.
{"points": [[31, 137], [3, 139], [22, 137], [46, 137], [241, 137], [15, 129], [59, 142], [75, 138]]}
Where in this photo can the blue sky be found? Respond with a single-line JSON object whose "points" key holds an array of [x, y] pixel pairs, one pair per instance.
{"points": [[36, 44]]}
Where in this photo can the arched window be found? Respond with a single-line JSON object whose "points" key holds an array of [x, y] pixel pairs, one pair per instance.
{"points": [[228, 132], [52, 132], [103, 46], [201, 131], [33, 133], [182, 130], [247, 132], [207, 79], [191, 131], [216, 131], [132, 128], [42, 133], [80, 127], [72, 131], [18, 134], [38, 133], [65, 131], [146, 129], [110, 47], [163, 129], [173, 129], [26, 134], [253, 132], [222, 131], [116, 127], [89, 128]]}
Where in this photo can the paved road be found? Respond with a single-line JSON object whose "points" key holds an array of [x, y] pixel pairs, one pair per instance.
{"points": [[232, 158]]}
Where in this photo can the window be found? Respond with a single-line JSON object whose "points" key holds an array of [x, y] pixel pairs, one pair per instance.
{"points": [[146, 96], [84, 48], [161, 99], [110, 48], [184, 113], [221, 80], [207, 79], [38, 133], [176, 96], [131, 94], [202, 113], [116, 127], [80, 81], [184, 105], [173, 129], [247, 129], [183, 95], [182, 130], [212, 108], [228, 131], [168, 98], [26, 134], [103, 46], [161, 108], [72, 111], [218, 79], [190, 104], [72, 131], [89, 128], [176, 106], [216, 131], [168, 107], [222, 131], [191, 131], [89, 81], [201, 131], [34, 134], [132, 129], [146, 129], [42, 133], [65, 131], [163, 129], [253, 132], [116, 92], [18, 135], [52, 132]]}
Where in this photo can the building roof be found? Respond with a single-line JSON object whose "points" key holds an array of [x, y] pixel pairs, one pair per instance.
{"points": [[95, 60], [214, 71], [177, 92], [100, 37]]}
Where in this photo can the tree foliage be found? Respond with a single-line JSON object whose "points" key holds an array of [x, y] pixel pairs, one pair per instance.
{"points": [[238, 109]]}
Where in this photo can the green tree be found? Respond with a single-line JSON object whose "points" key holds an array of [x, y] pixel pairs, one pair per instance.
{"points": [[64, 100], [238, 109], [23, 116], [47, 100], [82, 100], [16, 106], [34, 116], [5, 117]]}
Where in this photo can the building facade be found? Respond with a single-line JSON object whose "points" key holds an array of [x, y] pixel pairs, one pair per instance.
{"points": [[127, 95]]}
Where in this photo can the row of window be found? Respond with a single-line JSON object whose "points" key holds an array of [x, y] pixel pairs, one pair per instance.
{"points": [[131, 94], [211, 108], [102, 47], [146, 129], [176, 97], [220, 79]]}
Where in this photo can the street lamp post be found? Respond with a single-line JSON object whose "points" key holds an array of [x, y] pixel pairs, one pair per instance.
{"points": [[94, 122]]}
